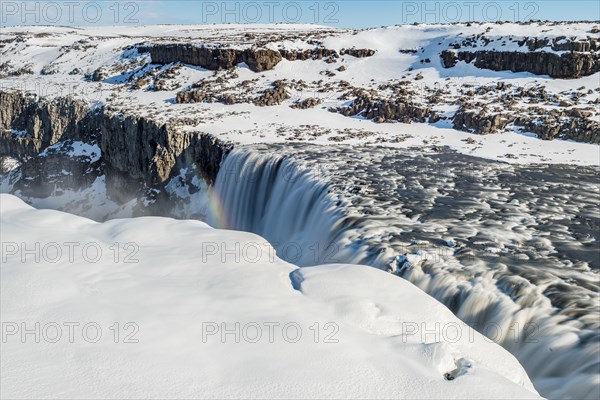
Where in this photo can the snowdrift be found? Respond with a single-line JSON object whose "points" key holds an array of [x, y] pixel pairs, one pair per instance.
{"points": [[154, 307]]}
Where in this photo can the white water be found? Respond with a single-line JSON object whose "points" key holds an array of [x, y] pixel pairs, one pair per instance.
{"points": [[308, 224], [274, 198]]}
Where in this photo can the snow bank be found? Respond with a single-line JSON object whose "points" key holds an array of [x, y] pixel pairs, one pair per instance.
{"points": [[134, 308]]}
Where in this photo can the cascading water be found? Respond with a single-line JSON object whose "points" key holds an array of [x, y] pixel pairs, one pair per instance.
{"points": [[378, 207], [287, 205]]}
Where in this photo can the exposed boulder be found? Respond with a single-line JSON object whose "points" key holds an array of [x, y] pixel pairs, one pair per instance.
{"points": [[306, 103], [273, 96], [382, 110], [480, 122]]}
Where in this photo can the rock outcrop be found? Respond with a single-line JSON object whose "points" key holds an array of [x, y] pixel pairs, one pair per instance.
{"points": [[555, 124], [258, 60], [562, 43], [382, 110], [568, 123], [273, 96], [212, 58], [566, 66], [53, 172], [306, 103], [139, 152], [308, 54], [319, 53], [480, 122], [43, 122], [210, 91]]}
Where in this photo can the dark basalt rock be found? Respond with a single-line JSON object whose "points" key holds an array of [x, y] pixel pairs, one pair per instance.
{"points": [[140, 152], [137, 152], [571, 123], [258, 60], [261, 60], [191, 96], [309, 54], [45, 121], [358, 53], [563, 44], [273, 96], [567, 124], [382, 110], [567, 66], [449, 58], [51, 173], [480, 122], [306, 103], [212, 58], [204, 91], [99, 75]]}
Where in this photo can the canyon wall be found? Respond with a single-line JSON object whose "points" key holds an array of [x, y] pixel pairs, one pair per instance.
{"points": [[258, 60], [45, 122], [135, 152], [565, 66]]}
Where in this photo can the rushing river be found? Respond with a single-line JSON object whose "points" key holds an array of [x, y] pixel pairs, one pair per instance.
{"points": [[513, 250]]}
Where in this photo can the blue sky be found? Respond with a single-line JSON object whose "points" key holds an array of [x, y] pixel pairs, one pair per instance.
{"points": [[343, 13]]}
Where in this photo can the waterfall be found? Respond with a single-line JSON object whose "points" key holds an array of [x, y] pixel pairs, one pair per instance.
{"points": [[279, 200], [296, 210]]}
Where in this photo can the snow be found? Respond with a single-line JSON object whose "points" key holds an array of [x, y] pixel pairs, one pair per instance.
{"points": [[74, 148], [256, 125], [10, 173], [245, 123], [90, 202], [172, 281]]}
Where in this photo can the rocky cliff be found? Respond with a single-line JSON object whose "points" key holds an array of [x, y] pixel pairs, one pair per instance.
{"points": [[212, 58], [139, 152], [135, 153], [565, 66], [258, 60], [28, 124]]}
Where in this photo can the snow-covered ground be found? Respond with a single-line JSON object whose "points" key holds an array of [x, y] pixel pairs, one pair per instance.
{"points": [[134, 308], [52, 61]]}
